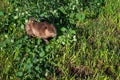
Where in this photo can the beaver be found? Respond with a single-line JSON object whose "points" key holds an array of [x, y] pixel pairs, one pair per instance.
{"points": [[43, 30]]}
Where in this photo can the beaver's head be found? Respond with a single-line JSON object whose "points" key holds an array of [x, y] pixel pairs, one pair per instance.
{"points": [[50, 31]]}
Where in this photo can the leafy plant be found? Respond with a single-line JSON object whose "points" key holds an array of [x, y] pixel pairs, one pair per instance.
{"points": [[87, 45]]}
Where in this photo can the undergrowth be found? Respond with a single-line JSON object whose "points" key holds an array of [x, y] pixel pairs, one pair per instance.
{"points": [[87, 46]]}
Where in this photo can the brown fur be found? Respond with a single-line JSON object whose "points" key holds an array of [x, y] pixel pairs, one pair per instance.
{"points": [[42, 30]]}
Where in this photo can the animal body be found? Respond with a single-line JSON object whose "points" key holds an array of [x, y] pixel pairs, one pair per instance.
{"points": [[43, 30]]}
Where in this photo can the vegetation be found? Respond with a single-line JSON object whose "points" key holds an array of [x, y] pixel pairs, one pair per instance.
{"points": [[87, 46]]}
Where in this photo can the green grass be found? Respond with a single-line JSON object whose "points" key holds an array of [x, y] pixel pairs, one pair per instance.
{"points": [[87, 46]]}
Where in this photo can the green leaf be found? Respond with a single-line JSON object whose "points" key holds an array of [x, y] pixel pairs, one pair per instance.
{"points": [[72, 21], [19, 74], [42, 54], [62, 10], [28, 66], [28, 60], [47, 48], [80, 17], [1, 13], [72, 15], [63, 29], [72, 31], [37, 68], [28, 50], [39, 41]]}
